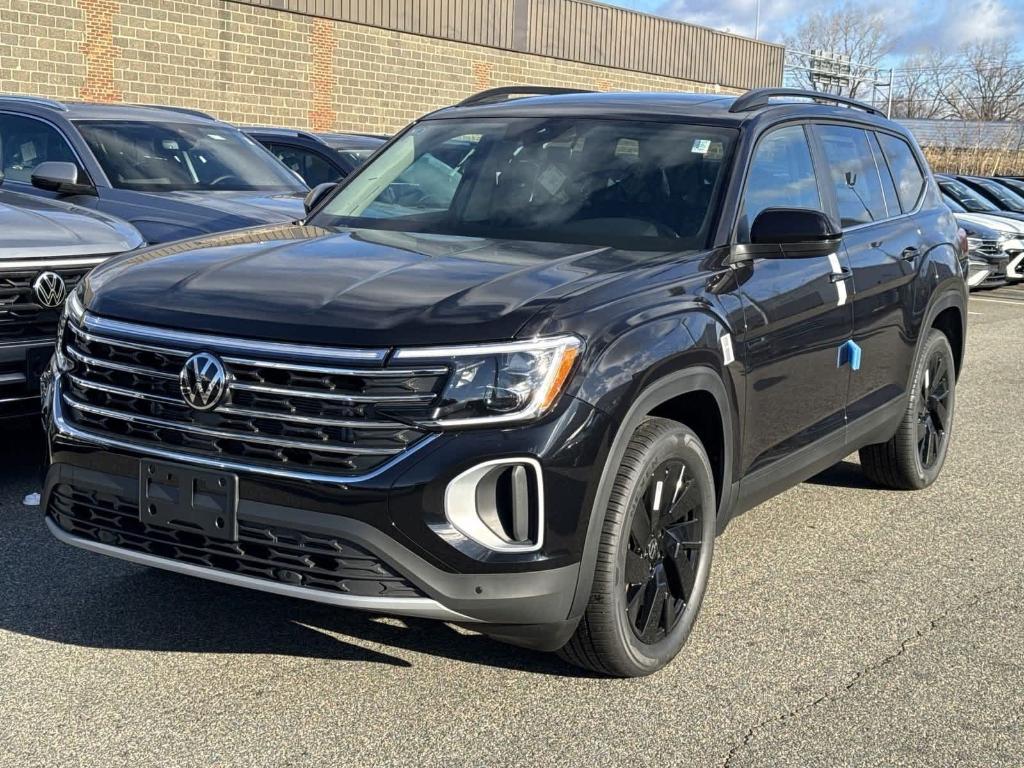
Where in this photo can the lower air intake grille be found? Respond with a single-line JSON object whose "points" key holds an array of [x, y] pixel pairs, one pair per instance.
{"points": [[277, 554]]}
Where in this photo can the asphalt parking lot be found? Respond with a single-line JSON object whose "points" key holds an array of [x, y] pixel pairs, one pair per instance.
{"points": [[844, 626]]}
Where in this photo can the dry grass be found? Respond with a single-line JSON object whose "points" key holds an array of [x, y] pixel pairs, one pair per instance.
{"points": [[976, 161]]}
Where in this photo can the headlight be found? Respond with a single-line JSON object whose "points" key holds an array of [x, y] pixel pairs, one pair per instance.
{"points": [[500, 383]]}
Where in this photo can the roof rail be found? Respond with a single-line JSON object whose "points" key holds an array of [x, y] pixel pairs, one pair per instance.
{"points": [[277, 131], [760, 97], [38, 100], [181, 110], [492, 95]]}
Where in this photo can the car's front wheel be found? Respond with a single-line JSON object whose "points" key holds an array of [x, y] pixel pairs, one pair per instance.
{"points": [[655, 555]]}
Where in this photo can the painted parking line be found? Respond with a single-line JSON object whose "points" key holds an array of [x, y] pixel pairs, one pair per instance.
{"points": [[1001, 301]]}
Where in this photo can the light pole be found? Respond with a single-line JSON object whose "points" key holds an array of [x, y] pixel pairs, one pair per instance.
{"points": [[757, 21]]}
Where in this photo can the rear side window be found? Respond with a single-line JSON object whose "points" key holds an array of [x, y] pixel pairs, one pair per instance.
{"points": [[26, 142], [855, 175], [313, 168], [905, 170], [781, 176]]}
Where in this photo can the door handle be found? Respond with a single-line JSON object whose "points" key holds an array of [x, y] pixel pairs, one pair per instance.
{"points": [[844, 274], [910, 253]]}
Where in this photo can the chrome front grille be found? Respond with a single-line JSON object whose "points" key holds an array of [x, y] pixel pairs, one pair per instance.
{"points": [[291, 411], [988, 248], [22, 317]]}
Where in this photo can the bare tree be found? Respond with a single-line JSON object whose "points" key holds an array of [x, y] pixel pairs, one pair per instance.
{"points": [[856, 32], [988, 83], [920, 85]]}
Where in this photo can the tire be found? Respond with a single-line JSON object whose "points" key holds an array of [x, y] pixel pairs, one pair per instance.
{"points": [[905, 462], [613, 637]]}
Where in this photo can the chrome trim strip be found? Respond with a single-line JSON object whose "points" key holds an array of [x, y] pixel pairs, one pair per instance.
{"points": [[252, 437], [351, 423], [138, 370], [375, 373], [222, 343], [139, 395], [45, 263], [36, 342], [12, 378], [422, 607], [499, 348], [295, 392], [71, 432], [92, 337]]}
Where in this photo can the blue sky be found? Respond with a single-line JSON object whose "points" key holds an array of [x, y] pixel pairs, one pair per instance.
{"points": [[920, 23]]}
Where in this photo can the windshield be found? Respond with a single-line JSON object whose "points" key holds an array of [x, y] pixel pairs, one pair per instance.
{"points": [[971, 201], [168, 157], [639, 185], [1009, 199]]}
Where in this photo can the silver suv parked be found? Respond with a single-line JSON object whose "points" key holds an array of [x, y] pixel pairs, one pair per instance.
{"points": [[46, 247]]}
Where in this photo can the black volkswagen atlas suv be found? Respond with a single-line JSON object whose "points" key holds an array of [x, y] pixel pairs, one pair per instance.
{"points": [[516, 371]]}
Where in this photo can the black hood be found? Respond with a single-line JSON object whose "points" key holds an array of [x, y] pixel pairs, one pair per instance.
{"points": [[349, 288]]}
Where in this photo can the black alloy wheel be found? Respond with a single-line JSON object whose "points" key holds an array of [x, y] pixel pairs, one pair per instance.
{"points": [[664, 548], [933, 410]]}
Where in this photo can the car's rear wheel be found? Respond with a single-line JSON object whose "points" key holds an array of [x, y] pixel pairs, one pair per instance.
{"points": [[655, 555], [913, 458]]}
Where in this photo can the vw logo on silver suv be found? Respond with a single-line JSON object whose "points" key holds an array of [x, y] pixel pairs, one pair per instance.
{"points": [[50, 289], [203, 381]]}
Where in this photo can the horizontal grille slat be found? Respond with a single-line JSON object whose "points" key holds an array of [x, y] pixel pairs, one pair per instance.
{"points": [[307, 415], [318, 561]]}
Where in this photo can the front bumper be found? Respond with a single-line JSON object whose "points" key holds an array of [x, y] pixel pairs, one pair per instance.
{"points": [[392, 515]]}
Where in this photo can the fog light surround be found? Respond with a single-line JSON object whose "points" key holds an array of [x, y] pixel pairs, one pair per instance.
{"points": [[498, 505]]}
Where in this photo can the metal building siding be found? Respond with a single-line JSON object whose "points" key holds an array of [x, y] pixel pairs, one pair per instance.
{"points": [[574, 30]]}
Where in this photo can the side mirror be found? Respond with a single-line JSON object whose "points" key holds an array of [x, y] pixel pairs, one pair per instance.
{"points": [[790, 233], [60, 177], [318, 194]]}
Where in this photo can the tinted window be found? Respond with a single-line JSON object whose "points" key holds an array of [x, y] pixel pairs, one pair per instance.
{"points": [[1007, 199], [25, 143], [905, 170], [967, 197], [889, 193], [308, 164], [855, 175], [607, 182], [166, 157], [781, 176]]}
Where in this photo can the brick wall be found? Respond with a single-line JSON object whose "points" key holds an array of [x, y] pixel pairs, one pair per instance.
{"points": [[255, 65]]}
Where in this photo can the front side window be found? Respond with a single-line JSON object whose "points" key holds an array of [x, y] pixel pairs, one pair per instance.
{"points": [[855, 175], [630, 184], [169, 157], [26, 142], [781, 176], [905, 170]]}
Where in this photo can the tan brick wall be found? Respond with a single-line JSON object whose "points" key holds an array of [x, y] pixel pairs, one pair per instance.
{"points": [[255, 65]]}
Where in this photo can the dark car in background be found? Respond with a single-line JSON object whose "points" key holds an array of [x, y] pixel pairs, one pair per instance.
{"points": [[46, 247], [970, 199], [318, 158], [171, 173], [999, 194]]}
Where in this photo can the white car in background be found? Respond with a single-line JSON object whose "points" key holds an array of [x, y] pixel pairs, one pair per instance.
{"points": [[996, 247]]}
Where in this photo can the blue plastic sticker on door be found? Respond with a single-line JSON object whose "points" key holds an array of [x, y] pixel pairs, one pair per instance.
{"points": [[849, 353]]}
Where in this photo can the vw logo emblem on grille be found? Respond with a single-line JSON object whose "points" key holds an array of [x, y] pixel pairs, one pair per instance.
{"points": [[203, 381], [49, 289]]}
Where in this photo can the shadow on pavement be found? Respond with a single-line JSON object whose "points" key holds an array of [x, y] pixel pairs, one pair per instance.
{"points": [[845, 474]]}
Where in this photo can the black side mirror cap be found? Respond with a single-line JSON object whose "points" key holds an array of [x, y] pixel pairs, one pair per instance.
{"points": [[318, 194], [790, 233], [60, 177]]}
